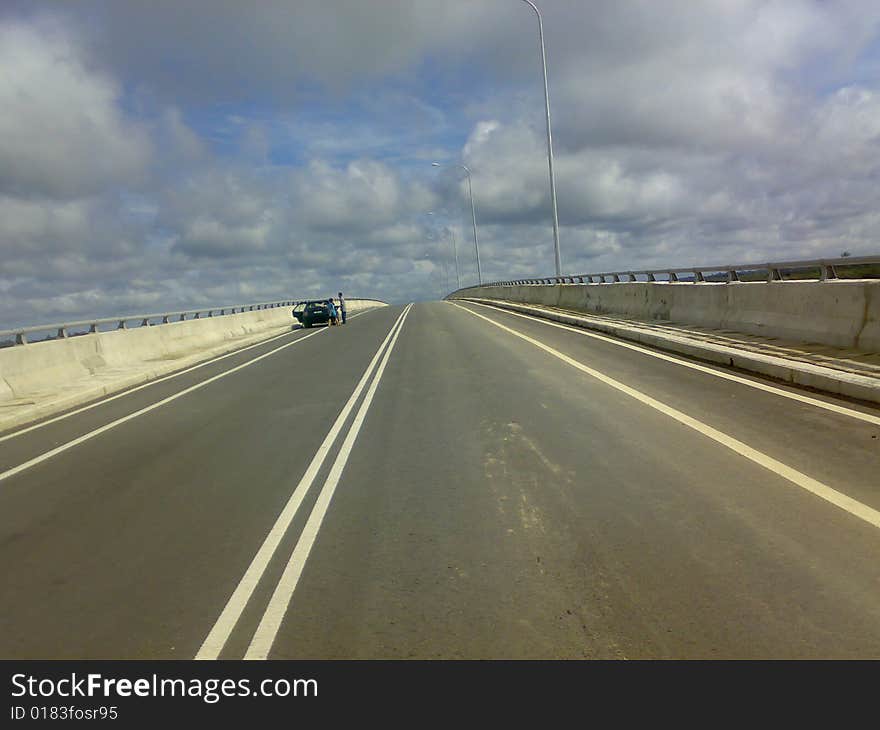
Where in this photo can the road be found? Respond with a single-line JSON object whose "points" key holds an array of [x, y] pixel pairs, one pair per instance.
{"points": [[445, 481]]}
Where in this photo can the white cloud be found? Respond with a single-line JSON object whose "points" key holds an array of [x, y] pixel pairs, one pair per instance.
{"points": [[61, 131], [148, 156], [358, 197]]}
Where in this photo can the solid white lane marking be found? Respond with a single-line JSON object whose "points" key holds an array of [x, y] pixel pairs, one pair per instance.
{"points": [[139, 387], [844, 502], [101, 402], [158, 404], [264, 636], [223, 627], [843, 410]]}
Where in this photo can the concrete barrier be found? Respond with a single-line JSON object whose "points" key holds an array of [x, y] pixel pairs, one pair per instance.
{"points": [[840, 313], [40, 378], [31, 369]]}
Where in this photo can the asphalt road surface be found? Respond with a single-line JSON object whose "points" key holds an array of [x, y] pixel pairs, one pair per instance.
{"points": [[445, 481]]}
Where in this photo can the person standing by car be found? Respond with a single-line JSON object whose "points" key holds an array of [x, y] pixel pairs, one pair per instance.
{"points": [[331, 310], [342, 307]]}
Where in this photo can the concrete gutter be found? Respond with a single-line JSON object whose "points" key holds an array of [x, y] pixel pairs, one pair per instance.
{"points": [[808, 375]]}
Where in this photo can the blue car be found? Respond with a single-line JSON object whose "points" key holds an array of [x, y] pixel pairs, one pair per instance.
{"points": [[312, 312]]}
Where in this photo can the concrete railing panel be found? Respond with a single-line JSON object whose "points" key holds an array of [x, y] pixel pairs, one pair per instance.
{"points": [[841, 313], [33, 369]]}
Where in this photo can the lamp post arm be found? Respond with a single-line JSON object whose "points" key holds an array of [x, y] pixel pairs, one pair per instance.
{"points": [[549, 139], [473, 215], [474, 221]]}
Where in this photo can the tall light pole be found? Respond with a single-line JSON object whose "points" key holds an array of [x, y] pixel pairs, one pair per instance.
{"points": [[473, 216], [549, 139], [434, 267], [430, 237], [455, 253]]}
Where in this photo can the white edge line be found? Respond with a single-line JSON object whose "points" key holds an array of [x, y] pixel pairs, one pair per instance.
{"points": [[129, 391], [829, 494], [264, 636], [842, 410], [119, 421], [226, 622]]}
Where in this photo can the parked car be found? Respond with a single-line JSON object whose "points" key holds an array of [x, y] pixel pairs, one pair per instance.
{"points": [[314, 312]]}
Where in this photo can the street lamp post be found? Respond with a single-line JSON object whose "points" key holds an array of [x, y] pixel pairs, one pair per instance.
{"points": [[549, 139], [455, 253], [451, 231], [443, 259], [473, 217], [434, 268]]}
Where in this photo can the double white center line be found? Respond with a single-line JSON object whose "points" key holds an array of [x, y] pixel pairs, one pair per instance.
{"points": [[265, 634]]}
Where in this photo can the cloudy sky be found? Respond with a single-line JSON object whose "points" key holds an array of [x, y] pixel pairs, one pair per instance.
{"points": [[166, 154]]}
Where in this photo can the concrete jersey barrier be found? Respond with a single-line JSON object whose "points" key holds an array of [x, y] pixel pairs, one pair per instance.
{"points": [[840, 313], [31, 370]]}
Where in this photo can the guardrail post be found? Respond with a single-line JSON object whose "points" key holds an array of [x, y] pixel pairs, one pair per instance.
{"points": [[21, 338], [732, 276], [145, 323], [828, 272], [698, 277], [121, 325], [93, 328], [773, 274], [62, 333], [650, 275], [673, 277], [198, 315], [165, 319], [182, 318], [631, 276]]}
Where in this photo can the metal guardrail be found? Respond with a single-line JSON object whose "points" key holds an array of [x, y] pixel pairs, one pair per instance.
{"points": [[63, 329], [827, 268]]}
